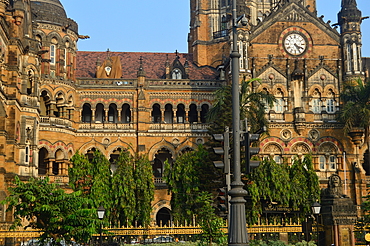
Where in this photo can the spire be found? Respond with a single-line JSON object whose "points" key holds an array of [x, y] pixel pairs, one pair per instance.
{"points": [[141, 72], [349, 12]]}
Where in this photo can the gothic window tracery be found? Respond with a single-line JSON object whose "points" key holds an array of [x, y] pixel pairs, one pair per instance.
{"points": [[300, 148], [176, 74]]}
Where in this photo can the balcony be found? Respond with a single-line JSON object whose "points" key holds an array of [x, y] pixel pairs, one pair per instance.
{"points": [[54, 121]]}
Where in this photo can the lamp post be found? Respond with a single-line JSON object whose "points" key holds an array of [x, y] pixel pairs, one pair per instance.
{"points": [[316, 211], [237, 224], [101, 212]]}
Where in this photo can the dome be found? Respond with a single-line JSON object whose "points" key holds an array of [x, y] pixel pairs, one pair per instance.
{"points": [[51, 11]]}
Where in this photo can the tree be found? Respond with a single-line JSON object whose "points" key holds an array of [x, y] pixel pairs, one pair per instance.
{"points": [[48, 208], [211, 224], [295, 186], [355, 112], [123, 190], [93, 178], [253, 106], [143, 175], [189, 175], [126, 194], [190, 180]]}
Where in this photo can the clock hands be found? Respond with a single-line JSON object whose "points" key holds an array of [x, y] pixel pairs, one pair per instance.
{"points": [[298, 47]]}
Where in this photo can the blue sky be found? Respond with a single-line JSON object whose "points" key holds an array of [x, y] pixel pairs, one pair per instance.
{"points": [[159, 25]]}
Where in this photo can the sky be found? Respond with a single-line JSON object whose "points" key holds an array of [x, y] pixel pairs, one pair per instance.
{"points": [[159, 25]]}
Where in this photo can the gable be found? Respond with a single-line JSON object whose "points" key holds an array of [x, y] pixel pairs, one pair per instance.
{"points": [[294, 14]]}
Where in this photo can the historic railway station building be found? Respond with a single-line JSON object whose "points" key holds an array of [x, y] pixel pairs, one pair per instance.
{"points": [[56, 100]]}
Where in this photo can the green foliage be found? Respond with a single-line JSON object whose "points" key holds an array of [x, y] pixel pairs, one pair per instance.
{"points": [[126, 194], [356, 105], [144, 189], [363, 223], [48, 208], [304, 243], [211, 224], [190, 180], [252, 106], [279, 243], [190, 174], [123, 190], [296, 186]]}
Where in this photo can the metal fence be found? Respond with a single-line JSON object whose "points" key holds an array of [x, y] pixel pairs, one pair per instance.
{"points": [[271, 230]]}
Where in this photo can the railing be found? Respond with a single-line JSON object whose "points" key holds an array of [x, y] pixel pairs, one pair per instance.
{"points": [[183, 127], [173, 229], [108, 126], [54, 121]]}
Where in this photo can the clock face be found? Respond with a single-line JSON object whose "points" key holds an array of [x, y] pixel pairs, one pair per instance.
{"points": [[295, 44]]}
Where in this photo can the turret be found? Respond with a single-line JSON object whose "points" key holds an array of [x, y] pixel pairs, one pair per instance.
{"points": [[349, 20]]}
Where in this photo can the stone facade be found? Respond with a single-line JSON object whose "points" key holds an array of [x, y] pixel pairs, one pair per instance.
{"points": [[57, 100]]}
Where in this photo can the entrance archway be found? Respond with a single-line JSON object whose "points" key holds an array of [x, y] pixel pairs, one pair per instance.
{"points": [[163, 217]]}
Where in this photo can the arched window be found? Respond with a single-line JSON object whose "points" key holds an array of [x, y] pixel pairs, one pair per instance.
{"points": [[112, 113], [99, 113], [180, 113], [193, 113], [30, 82], [126, 113], [44, 104], [176, 74], [156, 113], [168, 114], [203, 113], [43, 161], [86, 113]]}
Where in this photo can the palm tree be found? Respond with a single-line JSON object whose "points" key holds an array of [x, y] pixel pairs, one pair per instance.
{"points": [[355, 112], [252, 106]]}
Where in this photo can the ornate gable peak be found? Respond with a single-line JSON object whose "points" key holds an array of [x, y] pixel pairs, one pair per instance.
{"points": [[295, 16], [293, 11], [324, 67], [270, 68]]}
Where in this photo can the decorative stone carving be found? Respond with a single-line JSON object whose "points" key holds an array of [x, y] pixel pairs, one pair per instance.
{"points": [[314, 134], [334, 189], [286, 134]]}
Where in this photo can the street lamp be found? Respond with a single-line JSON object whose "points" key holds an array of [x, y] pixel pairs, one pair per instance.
{"points": [[101, 212], [316, 211], [238, 235]]}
